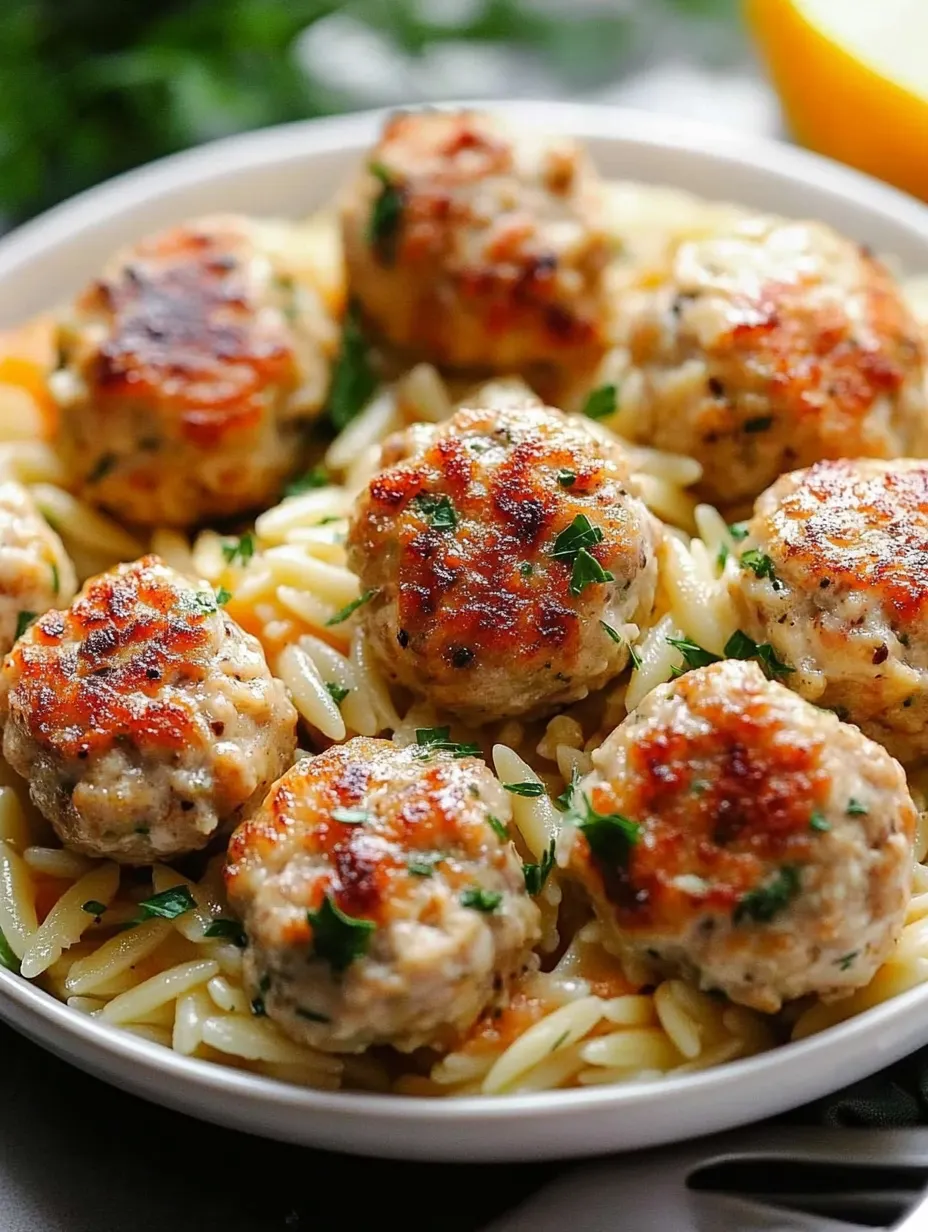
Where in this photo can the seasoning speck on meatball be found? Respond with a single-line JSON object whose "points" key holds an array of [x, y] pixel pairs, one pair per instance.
{"points": [[35, 571], [834, 575], [381, 900], [143, 717], [189, 370], [737, 835], [472, 245], [508, 558], [771, 346]]}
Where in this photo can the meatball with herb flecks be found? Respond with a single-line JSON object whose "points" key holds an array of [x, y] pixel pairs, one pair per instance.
{"points": [[770, 346], [35, 571], [143, 717], [734, 834], [382, 900], [189, 370], [473, 245], [833, 574], [507, 561]]}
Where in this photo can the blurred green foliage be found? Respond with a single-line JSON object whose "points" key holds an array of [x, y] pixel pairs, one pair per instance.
{"points": [[89, 88]]}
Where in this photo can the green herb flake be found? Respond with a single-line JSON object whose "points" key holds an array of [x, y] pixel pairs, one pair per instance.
{"points": [[223, 596], [438, 510], [566, 478], [386, 214], [350, 608], [699, 787], [615, 637], [226, 929], [846, 961], [560, 1040], [721, 557], [56, 578], [587, 571], [353, 379], [856, 808], [198, 602], [169, 904], [769, 899], [635, 657], [7, 958], [738, 531], [337, 692], [817, 822], [761, 565], [351, 816], [23, 621], [740, 646], [610, 836], [526, 569], [566, 798], [422, 864], [338, 939], [499, 828], [93, 907], [481, 900], [239, 551], [601, 403], [438, 740], [318, 477], [525, 789], [693, 654], [578, 536], [537, 874]]}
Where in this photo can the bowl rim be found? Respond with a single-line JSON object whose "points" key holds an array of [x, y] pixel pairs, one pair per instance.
{"points": [[296, 142]]}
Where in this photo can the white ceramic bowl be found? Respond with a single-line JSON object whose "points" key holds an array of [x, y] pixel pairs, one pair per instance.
{"points": [[288, 171]]}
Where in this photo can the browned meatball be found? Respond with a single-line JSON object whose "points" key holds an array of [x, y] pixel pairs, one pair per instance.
{"points": [[382, 902], [735, 834], [472, 245], [143, 717], [834, 575], [769, 346], [189, 370], [508, 558]]}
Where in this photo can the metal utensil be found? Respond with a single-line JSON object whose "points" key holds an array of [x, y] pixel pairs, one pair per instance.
{"points": [[772, 1178]]}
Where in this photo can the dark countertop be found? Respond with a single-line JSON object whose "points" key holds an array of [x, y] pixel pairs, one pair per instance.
{"points": [[77, 1155]]}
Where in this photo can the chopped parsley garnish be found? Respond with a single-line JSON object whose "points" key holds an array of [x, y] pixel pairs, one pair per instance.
{"points": [[351, 816], [601, 402], [634, 656], [499, 828], [721, 556], [579, 535], [338, 939], [422, 864], [105, 463], [566, 478], [761, 565], [199, 602], [525, 789], [481, 900], [566, 798], [616, 637], [537, 874], [241, 549], [760, 423], [847, 960], [526, 568], [438, 740], [740, 646], [738, 531], [353, 380], [318, 477], [855, 808], [350, 608], [23, 621], [93, 907], [169, 904], [227, 930], [7, 958], [611, 836], [223, 596], [56, 578], [337, 692], [586, 571], [769, 899], [386, 214], [694, 655], [438, 510], [817, 822]]}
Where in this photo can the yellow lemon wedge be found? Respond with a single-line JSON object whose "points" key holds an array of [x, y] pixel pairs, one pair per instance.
{"points": [[853, 79]]}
